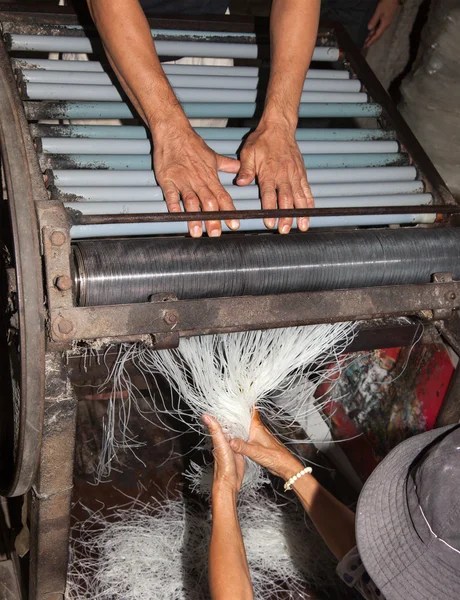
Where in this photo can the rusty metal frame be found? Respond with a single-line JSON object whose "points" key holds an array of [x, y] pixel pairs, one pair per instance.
{"points": [[20, 177], [223, 315]]}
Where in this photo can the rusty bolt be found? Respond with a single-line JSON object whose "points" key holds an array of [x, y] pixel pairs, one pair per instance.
{"points": [[171, 317], [63, 283], [65, 326], [58, 238]]}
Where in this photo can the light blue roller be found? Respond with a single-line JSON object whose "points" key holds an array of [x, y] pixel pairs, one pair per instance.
{"points": [[132, 179], [213, 133], [181, 33], [117, 132], [218, 110], [184, 81], [200, 35], [137, 229], [109, 93], [68, 145], [387, 191], [144, 161], [135, 162], [319, 134], [63, 145], [50, 43], [232, 71], [94, 66]]}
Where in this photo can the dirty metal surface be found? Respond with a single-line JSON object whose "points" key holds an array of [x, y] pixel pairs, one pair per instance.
{"points": [[78, 218], [220, 315], [50, 497]]}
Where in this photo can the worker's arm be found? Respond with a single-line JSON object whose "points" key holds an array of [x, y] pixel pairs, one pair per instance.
{"points": [[229, 577], [184, 165], [334, 521], [271, 152]]}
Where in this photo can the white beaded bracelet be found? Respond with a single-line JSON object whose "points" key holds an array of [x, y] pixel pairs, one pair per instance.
{"points": [[293, 479]]}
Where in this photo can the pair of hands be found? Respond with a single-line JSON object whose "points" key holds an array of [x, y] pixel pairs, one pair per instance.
{"points": [[186, 168], [262, 447], [381, 20]]}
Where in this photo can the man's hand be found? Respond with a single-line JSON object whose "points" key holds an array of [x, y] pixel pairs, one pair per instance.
{"points": [[263, 448], [185, 167], [272, 155], [381, 20], [228, 466]]}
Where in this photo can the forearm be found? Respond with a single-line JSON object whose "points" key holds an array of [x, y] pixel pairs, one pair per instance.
{"points": [[128, 42], [334, 521], [229, 576], [293, 30]]}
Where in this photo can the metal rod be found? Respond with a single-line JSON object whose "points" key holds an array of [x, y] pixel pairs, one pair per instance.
{"points": [[143, 162], [109, 93], [207, 133], [197, 110], [62, 145], [185, 81], [50, 43], [167, 228], [94, 66], [92, 177], [261, 214], [381, 190], [159, 206]]}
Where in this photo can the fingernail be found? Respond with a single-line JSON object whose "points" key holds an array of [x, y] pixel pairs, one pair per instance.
{"points": [[270, 223], [285, 229], [234, 224], [214, 233], [206, 419], [304, 223], [196, 231]]}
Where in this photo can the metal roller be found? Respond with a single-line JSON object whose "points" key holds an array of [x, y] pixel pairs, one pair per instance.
{"points": [[50, 43], [109, 93], [139, 132], [63, 145], [144, 161], [134, 179], [185, 81], [93, 66], [193, 110], [126, 271]]}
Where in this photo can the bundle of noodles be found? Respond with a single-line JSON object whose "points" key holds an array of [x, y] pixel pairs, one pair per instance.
{"points": [[159, 552], [228, 376]]}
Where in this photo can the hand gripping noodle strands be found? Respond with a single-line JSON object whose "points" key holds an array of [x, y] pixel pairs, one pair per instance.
{"points": [[228, 376], [160, 552]]}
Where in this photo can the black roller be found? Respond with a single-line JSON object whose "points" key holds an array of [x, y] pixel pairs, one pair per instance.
{"points": [[131, 270]]}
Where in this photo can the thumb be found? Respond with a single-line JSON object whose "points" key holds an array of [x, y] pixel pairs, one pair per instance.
{"points": [[248, 169], [374, 21], [242, 447], [227, 164]]}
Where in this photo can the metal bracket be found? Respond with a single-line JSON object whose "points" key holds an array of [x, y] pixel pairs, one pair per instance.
{"points": [[56, 244], [444, 313]]}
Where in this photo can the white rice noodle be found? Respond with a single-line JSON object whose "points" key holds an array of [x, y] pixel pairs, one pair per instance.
{"points": [[160, 552]]}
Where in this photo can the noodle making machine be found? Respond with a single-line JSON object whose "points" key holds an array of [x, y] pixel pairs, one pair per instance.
{"points": [[92, 257]]}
